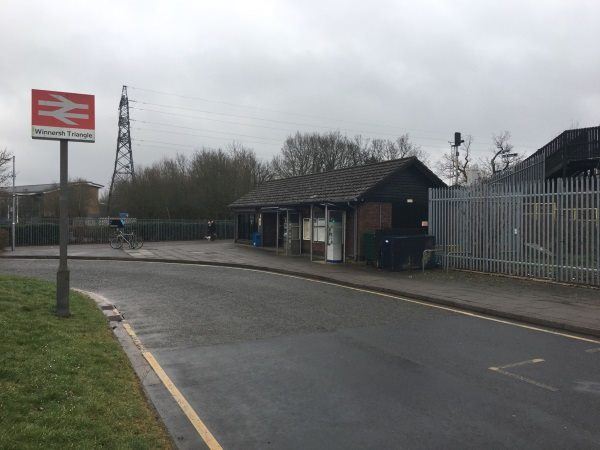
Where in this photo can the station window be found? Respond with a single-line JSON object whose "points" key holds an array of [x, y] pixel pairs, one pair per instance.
{"points": [[306, 229], [319, 229]]}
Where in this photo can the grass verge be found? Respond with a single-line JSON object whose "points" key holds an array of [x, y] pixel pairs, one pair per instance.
{"points": [[66, 383]]}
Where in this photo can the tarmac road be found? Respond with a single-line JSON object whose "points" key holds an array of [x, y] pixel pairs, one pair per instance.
{"points": [[269, 361]]}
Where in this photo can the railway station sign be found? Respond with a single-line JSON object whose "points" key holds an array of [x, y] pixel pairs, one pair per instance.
{"points": [[62, 116]]}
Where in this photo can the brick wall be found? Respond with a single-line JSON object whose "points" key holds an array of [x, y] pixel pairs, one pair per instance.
{"points": [[373, 216]]}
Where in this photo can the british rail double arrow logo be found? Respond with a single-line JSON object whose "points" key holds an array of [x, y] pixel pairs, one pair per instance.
{"points": [[64, 106]]}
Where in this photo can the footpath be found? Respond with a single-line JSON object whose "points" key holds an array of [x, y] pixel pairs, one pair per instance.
{"points": [[570, 308]]}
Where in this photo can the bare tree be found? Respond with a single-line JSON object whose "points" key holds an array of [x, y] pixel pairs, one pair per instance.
{"points": [[402, 147], [305, 153], [458, 168], [5, 166], [502, 154]]}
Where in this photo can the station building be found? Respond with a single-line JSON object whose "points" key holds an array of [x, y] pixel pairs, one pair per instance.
{"points": [[325, 215]]}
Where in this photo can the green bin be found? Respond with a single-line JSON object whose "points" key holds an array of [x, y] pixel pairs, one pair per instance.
{"points": [[369, 244]]}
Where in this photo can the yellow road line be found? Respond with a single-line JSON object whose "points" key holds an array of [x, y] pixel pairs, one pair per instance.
{"points": [[593, 350], [187, 409], [134, 337], [404, 299]]}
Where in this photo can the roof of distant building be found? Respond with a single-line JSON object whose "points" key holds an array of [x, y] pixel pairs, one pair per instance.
{"points": [[336, 186], [33, 189]]}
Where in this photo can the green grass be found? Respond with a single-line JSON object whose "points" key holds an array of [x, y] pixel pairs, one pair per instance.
{"points": [[66, 382]]}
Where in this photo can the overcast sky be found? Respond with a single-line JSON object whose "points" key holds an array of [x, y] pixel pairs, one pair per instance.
{"points": [[257, 71]]}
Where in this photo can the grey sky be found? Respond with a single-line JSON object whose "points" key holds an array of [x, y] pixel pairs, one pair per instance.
{"points": [[381, 68]]}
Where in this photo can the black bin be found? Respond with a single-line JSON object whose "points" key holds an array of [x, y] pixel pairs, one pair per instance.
{"points": [[404, 252]]}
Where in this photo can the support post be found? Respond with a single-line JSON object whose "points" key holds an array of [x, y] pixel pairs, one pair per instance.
{"points": [[312, 231], [235, 227], [355, 240], [62, 276], [14, 210], [287, 232], [300, 236], [326, 231], [277, 235], [344, 242]]}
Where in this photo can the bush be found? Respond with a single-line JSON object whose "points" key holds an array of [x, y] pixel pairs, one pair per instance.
{"points": [[3, 239]]}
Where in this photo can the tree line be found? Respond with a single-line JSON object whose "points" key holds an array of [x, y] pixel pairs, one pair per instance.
{"points": [[202, 185], [199, 186]]}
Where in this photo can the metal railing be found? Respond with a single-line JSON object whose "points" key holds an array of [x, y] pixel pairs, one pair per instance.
{"points": [[85, 230], [577, 144], [547, 230]]}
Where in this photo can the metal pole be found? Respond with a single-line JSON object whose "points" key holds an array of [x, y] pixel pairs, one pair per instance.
{"points": [[326, 230], [287, 232], [62, 276], [355, 240], [235, 227], [312, 229], [14, 210], [277, 235], [344, 236]]}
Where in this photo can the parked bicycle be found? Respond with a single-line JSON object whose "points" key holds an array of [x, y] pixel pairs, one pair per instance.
{"points": [[211, 231], [134, 242]]}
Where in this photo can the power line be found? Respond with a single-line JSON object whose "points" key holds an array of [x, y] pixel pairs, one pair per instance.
{"points": [[278, 111], [285, 122], [420, 138], [209, 119], [137, 140], [287, 130], [441, 147], [154, 130], [196, 129], [259, 108]]}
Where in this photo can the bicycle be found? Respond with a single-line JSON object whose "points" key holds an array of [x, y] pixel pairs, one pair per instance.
{"points": [[134, 242]]}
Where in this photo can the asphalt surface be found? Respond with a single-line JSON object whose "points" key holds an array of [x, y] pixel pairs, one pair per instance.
{"points": [[269, 361]]}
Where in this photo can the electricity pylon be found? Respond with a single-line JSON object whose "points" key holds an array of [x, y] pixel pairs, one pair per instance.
{"points": [[124, 170]]}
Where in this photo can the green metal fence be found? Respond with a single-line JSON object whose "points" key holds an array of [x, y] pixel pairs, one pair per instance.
{"points": [[83, 230]]}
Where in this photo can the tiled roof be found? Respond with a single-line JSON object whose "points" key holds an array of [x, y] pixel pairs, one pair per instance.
{"points": [[340, 185]]}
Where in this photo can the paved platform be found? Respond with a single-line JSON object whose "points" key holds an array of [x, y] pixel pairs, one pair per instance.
{"points": [[571, 308]]}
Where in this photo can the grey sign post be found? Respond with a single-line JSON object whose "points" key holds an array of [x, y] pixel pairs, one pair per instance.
{"points": [[14, 210], [65, 117], [63, 274]]}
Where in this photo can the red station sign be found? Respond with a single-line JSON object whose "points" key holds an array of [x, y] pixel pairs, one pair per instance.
{"points": [[62, 115]]}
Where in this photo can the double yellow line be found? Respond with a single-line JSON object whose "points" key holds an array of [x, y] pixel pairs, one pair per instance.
{"points": [[185, 406]]}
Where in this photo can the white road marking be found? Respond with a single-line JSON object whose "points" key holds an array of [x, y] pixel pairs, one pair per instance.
{"points": [[501, 370]]}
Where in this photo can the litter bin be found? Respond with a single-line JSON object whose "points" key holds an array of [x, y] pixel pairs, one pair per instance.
{"points": [[370, 249], [257, 239], [404, 252]]}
